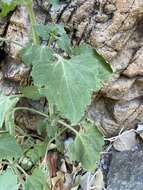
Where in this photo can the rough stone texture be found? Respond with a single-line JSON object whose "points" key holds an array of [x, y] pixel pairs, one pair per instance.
{"points": [[126, 171], [115, 29], [17, 30], [13, 73]]}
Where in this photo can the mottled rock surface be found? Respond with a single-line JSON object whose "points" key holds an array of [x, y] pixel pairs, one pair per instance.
{"points": [[126, 171], [115, 29], [14, 73]]}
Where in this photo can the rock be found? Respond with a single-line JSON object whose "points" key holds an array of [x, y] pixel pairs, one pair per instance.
{"points": [[115, 29], [101, 18], [102, 114], [18, 30], [136, 67], [3, 23], [140, 129], [126, 171], [93, 181], [15, 71], [99, 181], [119, 39], [8, 87], [113, 115], [124, 89], [118, 88], [125, 110], [109, 8], [125, 141]]}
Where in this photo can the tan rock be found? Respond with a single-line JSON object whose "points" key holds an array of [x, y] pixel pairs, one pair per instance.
{"points": [[125, 141], [136, 67]]}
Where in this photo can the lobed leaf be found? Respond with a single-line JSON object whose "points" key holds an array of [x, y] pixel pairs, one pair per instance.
{"points": [[54, 33], [8, 180], [9, 148], [87, 147], [69, 83], [33, 54], [6, 6], [37, 152], [37, 181], [31, 92], [6, 104]]}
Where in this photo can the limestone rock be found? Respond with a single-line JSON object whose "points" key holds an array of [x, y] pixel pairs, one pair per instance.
{"points": [[8, 87], [18, 30], [125, 141], [13, 70], [3, 23], [119, 39], [115, 29], [126, 171], [136, 67]]}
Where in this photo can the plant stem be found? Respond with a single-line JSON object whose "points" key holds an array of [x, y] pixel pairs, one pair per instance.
{"points": [[31, 110], [54, 138], [45, 115], [51, 110], [2, 132], [33, 22], [21, 169], [68, 126], [10, 41]]}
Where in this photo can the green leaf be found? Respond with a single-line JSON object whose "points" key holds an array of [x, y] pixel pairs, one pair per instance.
{"points": [[87, 147], [37, 152], [8, 181], [30, 92], [33, 54], [84, 49], [9, 148], [51, 130], [9, 122], [70, 83], [9, 5], [37, 181], [54, 33], [43, 31], [6, 104], [64, 43], [6, 6]]}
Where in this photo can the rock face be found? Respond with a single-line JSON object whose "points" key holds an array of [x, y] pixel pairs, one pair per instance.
{"points": [[13, 73], [126, 171], [115, 29]]}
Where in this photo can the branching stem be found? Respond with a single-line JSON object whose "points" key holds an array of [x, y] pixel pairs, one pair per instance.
{"points": [[31, 110], [45, 115], [22, 170], [68, 127]]}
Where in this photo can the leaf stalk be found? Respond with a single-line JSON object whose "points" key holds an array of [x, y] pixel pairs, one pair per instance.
{"points": [[32, 17]]}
